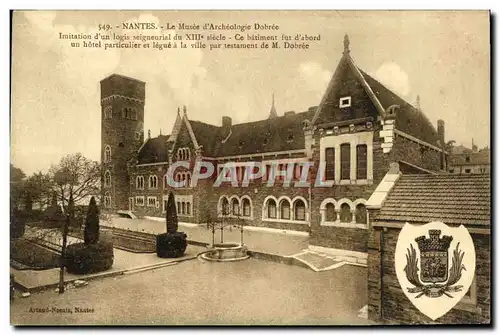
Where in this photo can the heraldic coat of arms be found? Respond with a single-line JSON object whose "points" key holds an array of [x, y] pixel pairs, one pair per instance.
{"points": [[431, 265]]}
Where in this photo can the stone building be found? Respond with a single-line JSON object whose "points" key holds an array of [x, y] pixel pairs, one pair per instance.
{"points": [[467, 161], [358, 127], [419, 199]]}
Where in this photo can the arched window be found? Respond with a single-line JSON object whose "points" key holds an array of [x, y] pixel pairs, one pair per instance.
{"points": [[330, 213], [107, 200], [139, 182], [271, 209], [165, 181], [345, 213], [188, 208], [107, 179], [235, 207], [183, 210], [299, 210], [107, 154], [153, 182], [225, 206], [179, 207], [247, 208], [183, 154], [188, 180], [361, 214], [108, 112], [284, 210]]}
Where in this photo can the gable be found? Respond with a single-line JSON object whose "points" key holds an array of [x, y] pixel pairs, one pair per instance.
{"points": [[345, 83], [183, 140]]}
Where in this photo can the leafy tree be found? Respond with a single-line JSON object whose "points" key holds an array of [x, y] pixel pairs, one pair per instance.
{"points": [[171, 215], [91, 233]]}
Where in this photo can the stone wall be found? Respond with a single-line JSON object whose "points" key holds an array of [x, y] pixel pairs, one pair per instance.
{"points": [[388, 304]]}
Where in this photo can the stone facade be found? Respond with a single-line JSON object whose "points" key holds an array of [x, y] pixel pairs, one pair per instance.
{"points": [[335, 216], [122, 134]]}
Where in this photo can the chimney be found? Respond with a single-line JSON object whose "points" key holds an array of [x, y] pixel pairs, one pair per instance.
{"points": [[226, 122], [440, 130], [226, 127]]}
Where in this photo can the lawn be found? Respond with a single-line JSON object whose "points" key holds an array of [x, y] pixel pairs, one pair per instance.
{"points": [[31, 255]]}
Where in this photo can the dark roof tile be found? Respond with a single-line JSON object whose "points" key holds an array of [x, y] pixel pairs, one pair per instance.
{"points": [[452, 199], [408, 119], [154, 150]]}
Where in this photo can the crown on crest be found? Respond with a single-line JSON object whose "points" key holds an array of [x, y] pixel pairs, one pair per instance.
{"points": [[434, 243]]}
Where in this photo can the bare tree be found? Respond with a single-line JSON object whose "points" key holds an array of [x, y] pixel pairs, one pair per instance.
{"points": [[76, 176]]}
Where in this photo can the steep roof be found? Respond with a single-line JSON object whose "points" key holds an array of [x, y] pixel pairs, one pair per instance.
{"points": [[470, 158], [452, 199], [270, 135], [206, 136], [408, 118], [154, 150]]}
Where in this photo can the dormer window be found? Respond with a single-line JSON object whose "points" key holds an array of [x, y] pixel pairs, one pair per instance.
{"points": [[241, 143], [345, 102], [467, 159], [290, 137]]}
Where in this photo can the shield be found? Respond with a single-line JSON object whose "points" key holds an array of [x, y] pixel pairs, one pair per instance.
{"points": [[435, 266]]}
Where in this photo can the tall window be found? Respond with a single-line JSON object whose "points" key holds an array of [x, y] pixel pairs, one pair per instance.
{"points": [[285, 210], [139, 182], [330, 214], [165, 181], [271, 209], [330, 163], [361, 161], [225, 206], [299, 210], [108, 112], [107, 154], [107, 200], [345, 161], [235, 207], [246, 207], [345, 213], [153, 182], [361, 214], [107, 179]]}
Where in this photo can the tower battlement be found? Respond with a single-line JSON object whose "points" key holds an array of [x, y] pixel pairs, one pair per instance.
{"points": [[119, 85]]}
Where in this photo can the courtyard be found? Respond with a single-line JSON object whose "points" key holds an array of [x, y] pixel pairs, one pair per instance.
{"points": [[195, 292]]}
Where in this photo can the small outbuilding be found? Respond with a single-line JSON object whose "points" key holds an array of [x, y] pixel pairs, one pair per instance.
{"points": [[420, 199]]}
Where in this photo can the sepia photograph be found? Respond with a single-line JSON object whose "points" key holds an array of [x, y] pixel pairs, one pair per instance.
{"points": [[243, 167]]}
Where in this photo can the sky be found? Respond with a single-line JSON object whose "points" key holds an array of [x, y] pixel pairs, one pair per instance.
{"points": [[444, 57]]}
